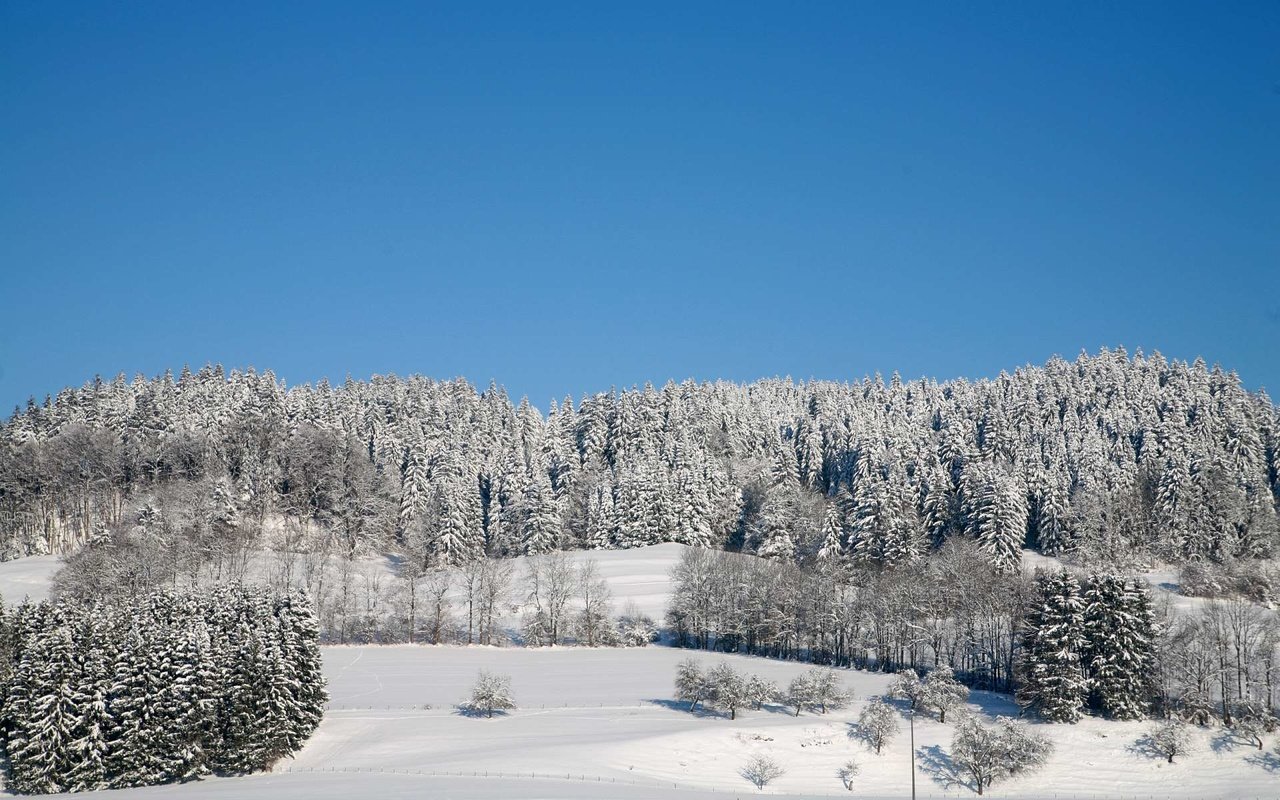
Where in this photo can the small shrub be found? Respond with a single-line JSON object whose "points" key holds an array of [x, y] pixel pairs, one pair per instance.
{"points": [[761, 771], [491, 693], [847, 772]]}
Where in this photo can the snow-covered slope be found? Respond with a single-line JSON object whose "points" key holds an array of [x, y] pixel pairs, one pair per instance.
{"points": [[27, 577], [600, 723], [608, 714]]}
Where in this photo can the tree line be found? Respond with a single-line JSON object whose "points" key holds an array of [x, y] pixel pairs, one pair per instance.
{"points": [[952, 608], [170, 687], [1062, 644], [1109, 457]]}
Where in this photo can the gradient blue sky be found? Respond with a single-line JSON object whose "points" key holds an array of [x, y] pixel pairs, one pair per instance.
{"points": [[569, 199]]}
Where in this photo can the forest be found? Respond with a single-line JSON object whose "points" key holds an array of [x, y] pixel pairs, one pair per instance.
{"points": [[171, 687], [1109, 458], [877, 525]]}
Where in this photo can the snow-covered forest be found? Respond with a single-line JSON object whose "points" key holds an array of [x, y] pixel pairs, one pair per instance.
{"points": [[1106, 458], [170, 687]]}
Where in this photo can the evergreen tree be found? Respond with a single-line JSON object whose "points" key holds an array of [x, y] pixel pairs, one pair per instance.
{"points": [[1053, 644], [541, 527], [998, 519], [89, 745], [1119, 628], [44, 715]]}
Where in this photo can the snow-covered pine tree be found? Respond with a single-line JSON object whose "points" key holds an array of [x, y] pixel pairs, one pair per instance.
{"points": [[693, 509], [1119, 629], [136, 740], [412, 488], [600, 518], [938, 508], [872, 519], [540, 529], [300, 642], [831, 547], [44, 714], [93, 647], [1053, 643], [1052, 517], [997, 516], [451, 537]]}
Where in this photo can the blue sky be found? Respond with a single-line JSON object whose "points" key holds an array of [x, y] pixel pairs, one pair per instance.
{"points": [[568, 198]]}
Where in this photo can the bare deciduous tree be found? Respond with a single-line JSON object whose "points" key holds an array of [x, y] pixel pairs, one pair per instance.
{"points": [[761, 770]]}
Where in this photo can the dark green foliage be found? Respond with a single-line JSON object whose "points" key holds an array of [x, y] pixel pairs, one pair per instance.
{"points": [[1053, 676], [169, 688], [1120, 654]]}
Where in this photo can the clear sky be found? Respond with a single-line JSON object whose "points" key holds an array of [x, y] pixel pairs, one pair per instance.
{"points": [[568, 198]]}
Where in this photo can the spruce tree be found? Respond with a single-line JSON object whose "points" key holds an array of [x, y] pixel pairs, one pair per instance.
{"points": [[1052, 669], [1120, 654], [94, 648], [42, 745]]}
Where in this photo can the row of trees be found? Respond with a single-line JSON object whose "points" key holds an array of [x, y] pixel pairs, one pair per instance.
{"points": [[168, 688], [1089, 645], [554, 598], [1062, 644], [1108, 457], [953, 608], [730, 690]]}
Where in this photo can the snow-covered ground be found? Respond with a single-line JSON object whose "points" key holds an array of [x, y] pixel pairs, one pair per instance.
{"points": [[641, 576], [601, 723], [27, 577], [608, 714]]}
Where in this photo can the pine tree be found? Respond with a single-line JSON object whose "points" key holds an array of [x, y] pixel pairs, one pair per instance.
{"points": [[1120, 654], [1053, 516], [44, 715], [89, 745], [541, 526], [300, 641], [832, 545], [1053, 646], [998, 519]]}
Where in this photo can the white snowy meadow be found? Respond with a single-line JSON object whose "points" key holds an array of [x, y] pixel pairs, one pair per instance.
{"points": [[604, 722]]}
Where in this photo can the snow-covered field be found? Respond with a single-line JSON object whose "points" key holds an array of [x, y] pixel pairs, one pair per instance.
{"points": [[601, 723], [27, 577]]}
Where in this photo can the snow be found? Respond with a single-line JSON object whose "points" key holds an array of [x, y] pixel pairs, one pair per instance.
{"points": [[638, 577], [604, 717], [27, 577], [600, 722], [1162, 578], [606, 714]]}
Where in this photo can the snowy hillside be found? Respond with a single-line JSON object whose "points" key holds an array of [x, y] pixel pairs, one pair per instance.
{"points": [[27, 577], [605, 716], [608, 713], [604, 721]]}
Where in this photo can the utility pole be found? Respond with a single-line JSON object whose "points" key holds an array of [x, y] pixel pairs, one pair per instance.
{"points": [[912, 718]]}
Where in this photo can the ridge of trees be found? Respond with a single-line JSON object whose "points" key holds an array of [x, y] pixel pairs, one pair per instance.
{"points": [[1110, 458]]}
